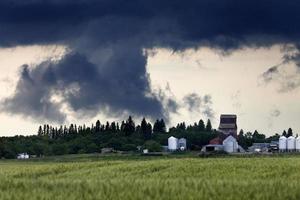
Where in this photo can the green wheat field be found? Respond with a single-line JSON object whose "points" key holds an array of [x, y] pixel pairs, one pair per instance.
{"points": [[138, 177]]}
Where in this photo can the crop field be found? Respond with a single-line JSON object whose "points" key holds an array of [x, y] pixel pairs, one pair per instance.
{"points": [[136, 177]]}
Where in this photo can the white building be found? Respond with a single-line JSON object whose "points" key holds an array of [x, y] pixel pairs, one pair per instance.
{"points": [[282, 144], [291, 143], [182, 144], [298, 143], [230, 144], [23, 156], [172, 143]]}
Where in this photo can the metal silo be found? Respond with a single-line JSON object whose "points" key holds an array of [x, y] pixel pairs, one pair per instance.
{"points": [[291, 145], [182, 144], [298, 143], [282, 144], [172, 143]]}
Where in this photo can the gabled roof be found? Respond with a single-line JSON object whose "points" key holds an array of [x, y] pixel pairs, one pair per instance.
{"points": [[229, 138]]}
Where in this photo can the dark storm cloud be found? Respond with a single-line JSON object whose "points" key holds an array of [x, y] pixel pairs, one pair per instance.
{"points": [[84, 88], [193, 102], [32, 97], [108, 36], [196, 103]]}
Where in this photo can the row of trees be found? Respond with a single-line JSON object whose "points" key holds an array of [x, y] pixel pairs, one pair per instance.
{"points": [[126, 136], [127, 128]]}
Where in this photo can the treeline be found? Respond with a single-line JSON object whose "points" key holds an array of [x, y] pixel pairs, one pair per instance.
{"points": [[126, 136], [247, 139]]}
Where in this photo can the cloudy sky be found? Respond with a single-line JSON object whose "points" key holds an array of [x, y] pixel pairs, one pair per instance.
{"points": [[65, 61]]}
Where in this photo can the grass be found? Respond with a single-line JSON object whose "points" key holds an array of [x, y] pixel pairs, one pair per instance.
{"points": [[135, 177]]}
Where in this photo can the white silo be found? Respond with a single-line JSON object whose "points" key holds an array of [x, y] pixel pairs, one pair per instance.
{"points": [[282, 144], [172, 143], [298, 143], [182, 144], [291, 142]]}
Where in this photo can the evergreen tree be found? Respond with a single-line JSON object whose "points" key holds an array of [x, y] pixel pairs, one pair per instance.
{"points": [[44, 129], [284, 133], [118, 127], [156, 126], [208, 125], [149, 131], [40, 131], [107, 127], [129, 127], [97, 128], [201, 125], [290, 132], [47, 130], [113, 127], [123, 126], [144, 127], [162, 126]]}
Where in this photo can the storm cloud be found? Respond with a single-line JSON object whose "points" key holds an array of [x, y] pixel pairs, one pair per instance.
{"points": [[106, 61], [198, 104]]}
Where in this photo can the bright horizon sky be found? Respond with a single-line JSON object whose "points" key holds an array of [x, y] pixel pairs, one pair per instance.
{"points": [[233, 82]]}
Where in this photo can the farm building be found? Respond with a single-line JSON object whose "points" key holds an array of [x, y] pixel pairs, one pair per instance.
{"points": [[274, 146], [22, 156], [282, 144], [298, 143], [228, 125], [228, 144], [259, 147], [212, 147], [227, 139], [172, 143], [182, 144], [175, 144], [291, 143]]}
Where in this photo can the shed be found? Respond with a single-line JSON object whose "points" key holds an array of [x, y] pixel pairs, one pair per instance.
{"points": [[212, 147]]}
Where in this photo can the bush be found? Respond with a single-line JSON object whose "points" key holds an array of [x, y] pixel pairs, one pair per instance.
{"points": [[152, 146], [128, 147]]}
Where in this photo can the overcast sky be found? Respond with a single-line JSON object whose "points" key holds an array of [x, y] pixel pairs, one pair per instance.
{"points": [[77, 61]]}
